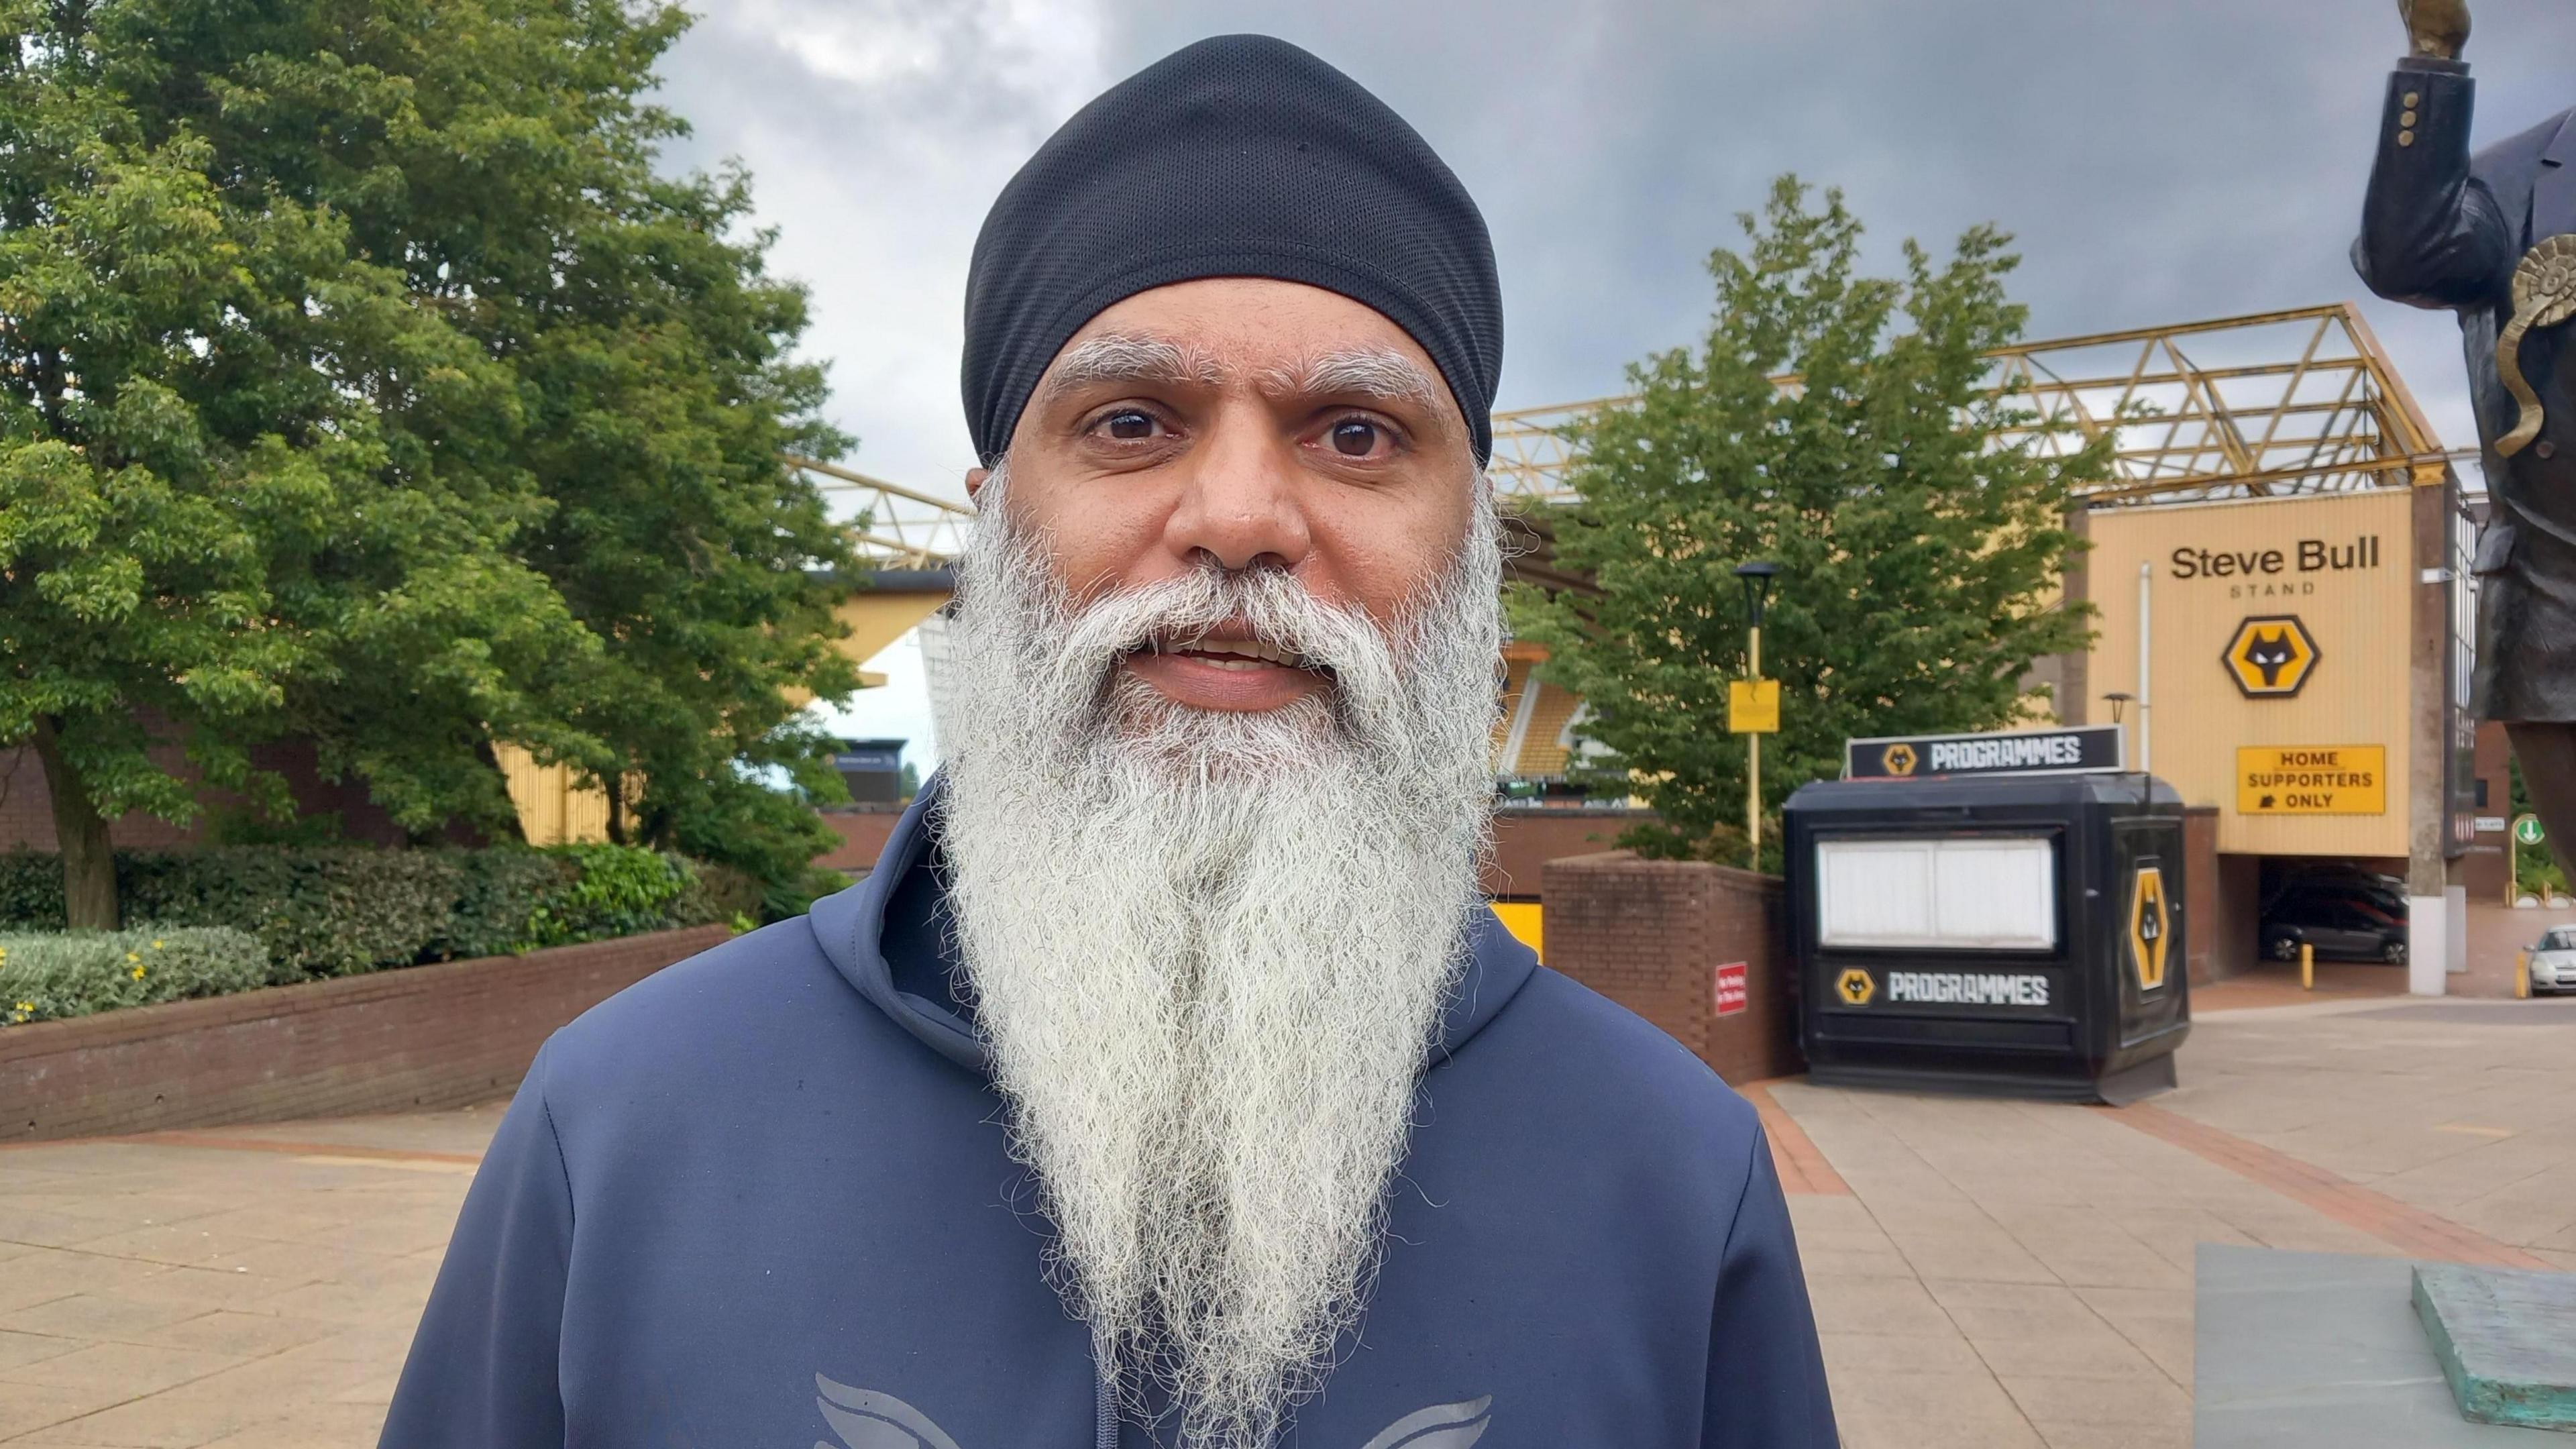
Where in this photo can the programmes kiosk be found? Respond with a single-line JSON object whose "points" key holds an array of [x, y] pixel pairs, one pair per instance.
{"points": [[1998, 912]]}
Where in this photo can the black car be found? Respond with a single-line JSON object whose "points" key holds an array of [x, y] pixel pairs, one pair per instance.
{"points": [[2340, 923], [2384, 893]]}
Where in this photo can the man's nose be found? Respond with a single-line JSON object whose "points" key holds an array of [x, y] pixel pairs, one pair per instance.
{"points": [[1240, 506]]}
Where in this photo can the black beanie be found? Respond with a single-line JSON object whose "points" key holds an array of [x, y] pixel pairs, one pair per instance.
{"points": [[1240, 156]]}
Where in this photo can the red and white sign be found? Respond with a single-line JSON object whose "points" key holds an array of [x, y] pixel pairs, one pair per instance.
{"points": [[1730, 988]]}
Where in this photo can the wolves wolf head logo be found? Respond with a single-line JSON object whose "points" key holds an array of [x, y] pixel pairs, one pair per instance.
{"points": [[866, 1419], [2270, 653]]}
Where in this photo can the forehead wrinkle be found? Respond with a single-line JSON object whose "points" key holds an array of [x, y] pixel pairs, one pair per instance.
{"points": [[1122, 357]]}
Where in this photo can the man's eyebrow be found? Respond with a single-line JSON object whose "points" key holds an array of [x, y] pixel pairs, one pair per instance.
{"points": [[1123, 357], [1372, 372]]}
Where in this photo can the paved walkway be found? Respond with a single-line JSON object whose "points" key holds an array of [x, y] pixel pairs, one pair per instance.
{"points": [[242, 1287], [1992, 1273], [1987, 1274]]}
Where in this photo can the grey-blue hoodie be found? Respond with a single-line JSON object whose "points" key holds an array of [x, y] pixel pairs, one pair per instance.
{"points": [[763, 1198]]}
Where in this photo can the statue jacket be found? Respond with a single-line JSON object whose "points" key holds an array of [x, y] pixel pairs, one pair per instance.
{"points": [[2443, 228], [765, 1197]]}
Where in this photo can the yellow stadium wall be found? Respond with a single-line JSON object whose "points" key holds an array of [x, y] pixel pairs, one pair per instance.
{"points": [[2358, 692], [553, 808]]}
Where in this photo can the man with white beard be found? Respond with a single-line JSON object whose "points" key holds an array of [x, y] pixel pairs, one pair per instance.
{"points": [[1167, 1083]]}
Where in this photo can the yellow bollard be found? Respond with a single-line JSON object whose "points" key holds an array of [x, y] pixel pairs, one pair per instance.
{"points": [[2307, 967], [2522, 974]]}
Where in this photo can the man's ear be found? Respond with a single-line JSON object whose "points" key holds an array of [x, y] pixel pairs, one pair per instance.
{"points": [[975, 481]]}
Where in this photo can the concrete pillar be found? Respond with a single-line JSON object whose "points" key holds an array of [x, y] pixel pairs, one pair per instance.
{"points": [[2428, 943], [2429, 914]]}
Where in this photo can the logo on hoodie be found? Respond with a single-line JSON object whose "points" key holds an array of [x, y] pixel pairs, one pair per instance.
{"points": [[867, 1419]]}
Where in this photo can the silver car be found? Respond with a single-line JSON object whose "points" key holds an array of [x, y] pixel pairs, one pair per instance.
{"points": [[2553, 960]]}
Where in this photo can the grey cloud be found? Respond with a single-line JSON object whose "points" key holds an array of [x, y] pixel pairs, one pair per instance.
{"points": [[2160, 161], [876, 134]]}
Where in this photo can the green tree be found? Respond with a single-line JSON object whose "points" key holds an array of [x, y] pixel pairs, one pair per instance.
{"points": [[503, 151], [705, 568], [1846, 427], [2536, 871], [238, 463], [568, 400]]}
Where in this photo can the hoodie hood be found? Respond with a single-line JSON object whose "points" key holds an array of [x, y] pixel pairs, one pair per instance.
{"points": [[850, 926]]}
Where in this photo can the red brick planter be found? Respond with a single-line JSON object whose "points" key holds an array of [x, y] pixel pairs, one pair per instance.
{"points": [[1651, 935], [391, 1041]]}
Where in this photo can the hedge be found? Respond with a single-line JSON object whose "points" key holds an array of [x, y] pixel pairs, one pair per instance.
{"points": [[336, 911], [44, 977]]}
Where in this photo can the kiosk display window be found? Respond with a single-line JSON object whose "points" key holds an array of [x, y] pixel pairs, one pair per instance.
{"points": [[1935, 893]]}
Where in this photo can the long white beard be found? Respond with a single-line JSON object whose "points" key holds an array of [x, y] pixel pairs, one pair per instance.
{"points": [[1210, 950]]}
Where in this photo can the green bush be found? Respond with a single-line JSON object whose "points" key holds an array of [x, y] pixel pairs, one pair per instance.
{"points": [[784, 900], [339, 910], [31, 890], [503, 889], [614, 890], [58, 974], [330, 912], [720, 894]]}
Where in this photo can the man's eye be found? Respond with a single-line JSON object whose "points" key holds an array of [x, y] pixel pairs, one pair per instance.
{"points": [[1356, 437], [1129, 425]]}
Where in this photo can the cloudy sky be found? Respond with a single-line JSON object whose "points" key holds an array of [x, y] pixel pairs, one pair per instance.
{"points": [[2159, 160]]}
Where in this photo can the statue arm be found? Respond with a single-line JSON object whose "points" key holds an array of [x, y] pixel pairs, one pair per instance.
{"points": [[2431, 233]]}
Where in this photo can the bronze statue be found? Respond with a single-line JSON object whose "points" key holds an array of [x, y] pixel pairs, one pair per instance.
{"points": [[2493, 238]]}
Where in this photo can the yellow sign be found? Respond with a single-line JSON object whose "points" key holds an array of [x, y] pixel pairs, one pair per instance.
{"points": [[2270, 656], [1753, 706], [2149, 924], [1855, 987], [1898, 758], [2312, 780]]}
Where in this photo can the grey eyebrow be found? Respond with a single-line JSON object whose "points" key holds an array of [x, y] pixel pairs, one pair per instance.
{"points": [[1374, 372], [1117, 357], [1379, 373]]}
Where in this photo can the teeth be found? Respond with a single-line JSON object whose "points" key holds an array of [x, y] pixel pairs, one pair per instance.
{"points": [[1240, 653]]}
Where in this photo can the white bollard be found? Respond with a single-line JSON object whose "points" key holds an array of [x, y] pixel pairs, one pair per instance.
{"points": [[2428, 944]]}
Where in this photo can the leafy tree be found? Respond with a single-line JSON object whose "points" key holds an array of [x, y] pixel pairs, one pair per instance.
{"points": [[519, 400], [2536, 872], [1920, 549], [700, 563], [238, 463], [502, 151]]}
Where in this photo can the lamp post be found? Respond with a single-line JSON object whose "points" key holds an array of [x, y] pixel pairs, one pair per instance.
{"points": [[2119, 700], [1757, 578]]}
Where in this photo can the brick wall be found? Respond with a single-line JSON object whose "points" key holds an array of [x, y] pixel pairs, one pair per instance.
{"points": [[864, 831], [2222, 894], [2483, 870], [392, 1041], [1526, 839], [1650, 935]]}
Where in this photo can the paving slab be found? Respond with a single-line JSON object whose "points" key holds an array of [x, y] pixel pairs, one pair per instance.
{"points": [[2505, 1339], [2321, 1349], [248, 1286]]}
